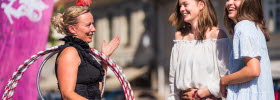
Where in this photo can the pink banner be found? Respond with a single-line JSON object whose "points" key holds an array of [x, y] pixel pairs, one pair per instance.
{"points": [[24, 28]]}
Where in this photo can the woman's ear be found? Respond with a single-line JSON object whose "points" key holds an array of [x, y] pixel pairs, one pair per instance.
{"points": [[201, 5], [72, 29]]}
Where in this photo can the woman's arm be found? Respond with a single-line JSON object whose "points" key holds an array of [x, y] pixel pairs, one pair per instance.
{"points": [[174, 92], [247, 73], [67, 70], [108, 49]]}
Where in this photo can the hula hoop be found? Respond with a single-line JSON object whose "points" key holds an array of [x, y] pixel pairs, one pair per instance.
{"points": [[13, 81], [39, 73]]}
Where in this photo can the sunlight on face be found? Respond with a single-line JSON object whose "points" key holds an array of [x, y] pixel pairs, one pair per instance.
{"points": [[85, 27], [190, 9], [232, 6]]}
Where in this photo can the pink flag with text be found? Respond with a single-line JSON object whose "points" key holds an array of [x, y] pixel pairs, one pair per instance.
{"points": [[24, 28]]}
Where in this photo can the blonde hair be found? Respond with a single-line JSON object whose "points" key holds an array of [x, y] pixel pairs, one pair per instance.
{"points": [[69, 17], [207, 19], [248, 10]]}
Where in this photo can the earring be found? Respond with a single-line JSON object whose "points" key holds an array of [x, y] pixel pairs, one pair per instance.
{"points": [[75, 34]]}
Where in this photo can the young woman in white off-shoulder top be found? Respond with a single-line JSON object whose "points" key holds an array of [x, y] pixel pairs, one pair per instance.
{"points": [[200, 53]]}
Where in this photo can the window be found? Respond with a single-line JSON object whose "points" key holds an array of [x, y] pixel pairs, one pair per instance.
{"points": [[277, 18], [128, 18], [110, 19], [272, 13], [277, 1]]}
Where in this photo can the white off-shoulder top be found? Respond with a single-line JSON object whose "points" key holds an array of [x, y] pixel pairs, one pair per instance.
{"points": [[198, 64]]}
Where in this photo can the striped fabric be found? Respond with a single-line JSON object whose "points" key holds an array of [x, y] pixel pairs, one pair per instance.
{"points": [[249, 41]]}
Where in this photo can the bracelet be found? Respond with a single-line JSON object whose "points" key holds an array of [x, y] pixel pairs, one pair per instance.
{"points": [[195, 94]]}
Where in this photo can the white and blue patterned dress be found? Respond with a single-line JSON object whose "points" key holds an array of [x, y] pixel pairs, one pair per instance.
{"points": [[249, 41]]}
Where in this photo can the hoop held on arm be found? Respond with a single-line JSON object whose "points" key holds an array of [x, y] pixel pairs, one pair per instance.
{"points": [[13, 81]]}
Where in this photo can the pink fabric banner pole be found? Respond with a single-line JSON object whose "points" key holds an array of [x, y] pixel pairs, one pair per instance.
{"points": [[24, 28]]}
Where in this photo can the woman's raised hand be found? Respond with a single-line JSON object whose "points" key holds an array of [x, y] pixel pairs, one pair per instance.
{"points": [[109, 48]]}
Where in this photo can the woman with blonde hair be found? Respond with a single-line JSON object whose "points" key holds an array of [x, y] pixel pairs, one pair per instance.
{"points": [[79, 75], [200, 53]]}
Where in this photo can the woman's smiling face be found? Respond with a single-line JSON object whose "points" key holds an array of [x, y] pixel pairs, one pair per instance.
{"points": [[85, 28], [190, 10], [232, 6]]}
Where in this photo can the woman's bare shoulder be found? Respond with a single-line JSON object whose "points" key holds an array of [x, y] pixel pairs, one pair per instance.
{"points": [[178, 35], [69, 54], [217, 33]]}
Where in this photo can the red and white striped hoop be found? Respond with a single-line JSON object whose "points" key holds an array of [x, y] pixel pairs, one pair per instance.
{"points": [[13, 81]]}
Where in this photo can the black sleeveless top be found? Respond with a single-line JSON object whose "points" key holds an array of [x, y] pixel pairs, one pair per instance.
{"points": [[90, 72]]}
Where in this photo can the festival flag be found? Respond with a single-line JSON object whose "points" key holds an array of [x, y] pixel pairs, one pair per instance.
{"points": [[24, 28]]}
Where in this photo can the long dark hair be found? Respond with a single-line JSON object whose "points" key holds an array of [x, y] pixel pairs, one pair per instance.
{"points": [[248, 10]]}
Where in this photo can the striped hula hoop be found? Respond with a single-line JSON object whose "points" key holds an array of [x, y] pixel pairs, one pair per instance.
{"points": [[13, 81]]}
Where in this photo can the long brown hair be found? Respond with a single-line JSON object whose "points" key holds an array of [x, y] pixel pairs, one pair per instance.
{"points": [[248, 10], [207, 19]]}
